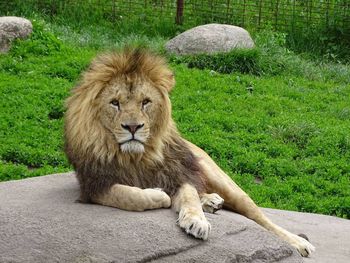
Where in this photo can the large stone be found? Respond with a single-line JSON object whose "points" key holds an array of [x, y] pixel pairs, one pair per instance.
{"points": [[12, 27], [209, 39], [41, 222]]}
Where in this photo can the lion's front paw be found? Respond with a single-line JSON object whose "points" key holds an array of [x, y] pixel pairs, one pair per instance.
{"points": [[193, 224], [304, 247], [211, 202], [158, 198]]}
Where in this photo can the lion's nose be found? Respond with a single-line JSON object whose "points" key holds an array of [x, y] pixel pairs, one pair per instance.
{"points": [[132, 128]]}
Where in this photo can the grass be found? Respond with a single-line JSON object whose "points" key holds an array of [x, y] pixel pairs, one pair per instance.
{"points": [[285, 142], [281, 132], [318, 29]]}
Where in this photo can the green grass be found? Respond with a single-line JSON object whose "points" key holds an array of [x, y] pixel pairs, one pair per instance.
{"points": [[318, 29], [282, 134], [285, 141]]}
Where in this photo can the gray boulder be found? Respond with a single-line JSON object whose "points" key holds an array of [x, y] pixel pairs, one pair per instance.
{"points": [[209, 39], [41, 222], [12, 27]]}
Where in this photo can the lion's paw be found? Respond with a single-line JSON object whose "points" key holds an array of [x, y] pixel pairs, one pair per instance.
{"points": [[159, 198], [211, 202], [304, 247], [195, 225]]}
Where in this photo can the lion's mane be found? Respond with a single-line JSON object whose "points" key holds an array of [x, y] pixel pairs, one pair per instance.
{"points": [[92, 150]]}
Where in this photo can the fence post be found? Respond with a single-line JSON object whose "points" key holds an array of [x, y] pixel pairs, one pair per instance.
{"points": [[327, 14], [276, 14], [260, 8], [179, 12], [293, 17], [243, 16], [227, 11], [114, 16], [309, 13], [52, 7]]}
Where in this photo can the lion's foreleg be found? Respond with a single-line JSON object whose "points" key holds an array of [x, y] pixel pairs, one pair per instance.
{"points": [[191, 217], [237, 200], [133, 198]]}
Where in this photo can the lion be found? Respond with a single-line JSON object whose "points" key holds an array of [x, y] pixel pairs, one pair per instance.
{"points": [[127, 153]]}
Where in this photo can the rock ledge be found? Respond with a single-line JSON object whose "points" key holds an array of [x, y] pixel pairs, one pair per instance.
{"points": [[41, 222]]}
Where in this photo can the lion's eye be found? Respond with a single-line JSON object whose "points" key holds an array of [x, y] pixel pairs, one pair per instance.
{"points": [[145, 102], [115, 103]]}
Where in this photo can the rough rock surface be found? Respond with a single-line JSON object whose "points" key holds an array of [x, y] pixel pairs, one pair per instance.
{"points": [[12, 27], [209, 39], [41, 222]]}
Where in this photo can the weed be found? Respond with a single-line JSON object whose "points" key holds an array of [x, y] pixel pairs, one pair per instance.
{"points": [[298, 133], [41, 42], [239, 60]]}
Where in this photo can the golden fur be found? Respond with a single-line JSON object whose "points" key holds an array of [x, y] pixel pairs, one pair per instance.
{"points": [[124, 145]]}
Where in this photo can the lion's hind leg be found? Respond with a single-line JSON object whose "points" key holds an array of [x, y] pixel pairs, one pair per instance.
{"points": [[238, 201], [191, 217], [211, 202]]}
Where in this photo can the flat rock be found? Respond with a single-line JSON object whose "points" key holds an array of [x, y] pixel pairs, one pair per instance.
{"points": [[41, 222], [12, 27], [209, 39]]}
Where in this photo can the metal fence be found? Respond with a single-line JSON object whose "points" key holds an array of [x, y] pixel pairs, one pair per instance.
{"points": [[279, 14]]}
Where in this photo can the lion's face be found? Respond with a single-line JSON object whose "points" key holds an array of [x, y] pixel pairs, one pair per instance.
{"points": [[130, 110], [120, 109]]}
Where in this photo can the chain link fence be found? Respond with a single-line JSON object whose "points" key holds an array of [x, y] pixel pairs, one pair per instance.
{"points": [[283, 15]]}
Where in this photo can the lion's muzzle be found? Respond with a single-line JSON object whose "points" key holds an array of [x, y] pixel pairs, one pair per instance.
{"points": [[132, 128]]}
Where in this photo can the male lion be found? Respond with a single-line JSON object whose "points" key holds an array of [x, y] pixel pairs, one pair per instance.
{"points": [[127, 152]]}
